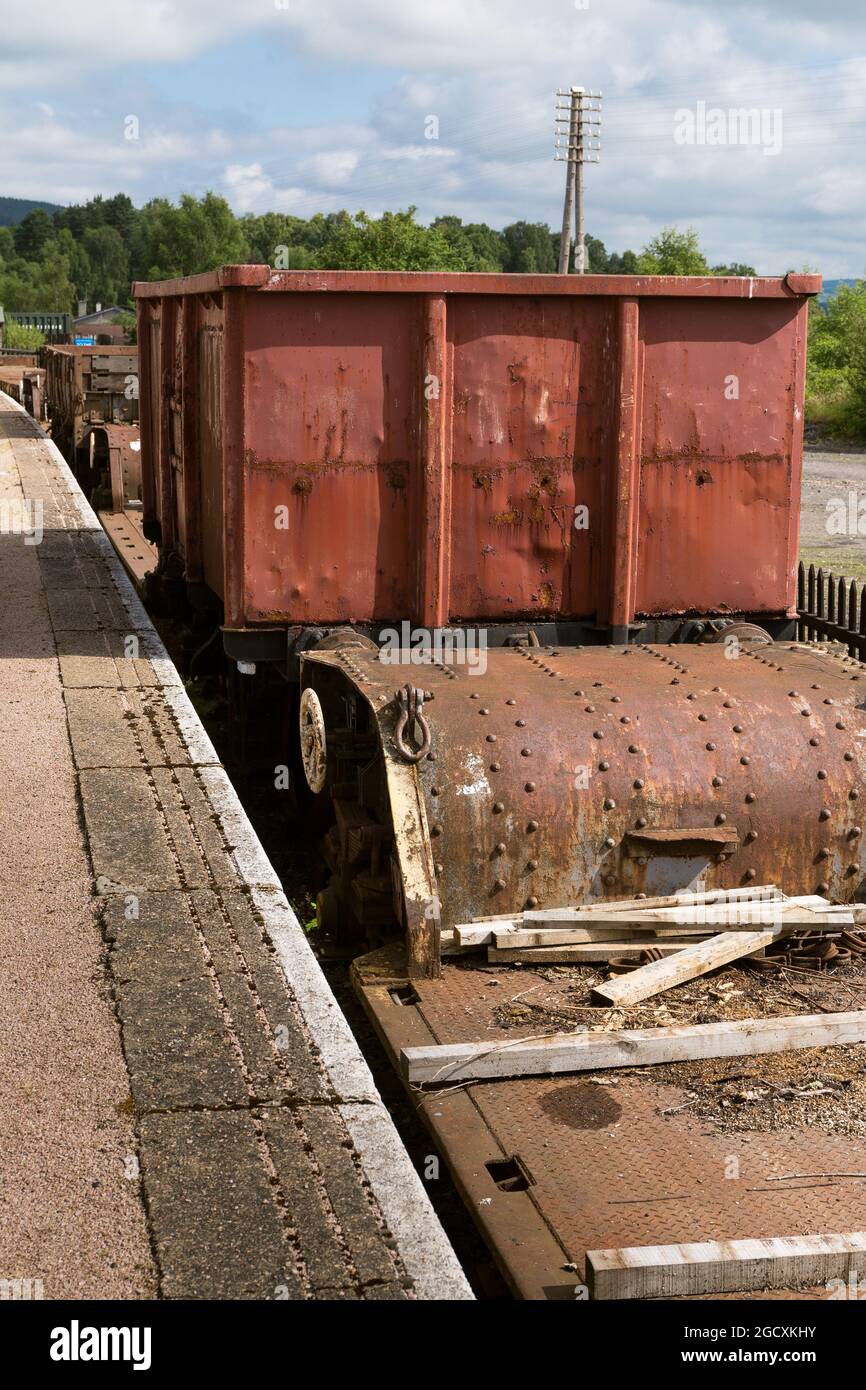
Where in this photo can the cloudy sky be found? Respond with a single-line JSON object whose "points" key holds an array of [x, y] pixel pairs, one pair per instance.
{"points": [[302, 105]]}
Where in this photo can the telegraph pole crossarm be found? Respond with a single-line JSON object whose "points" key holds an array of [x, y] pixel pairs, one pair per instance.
{"points": [[578, 122]]}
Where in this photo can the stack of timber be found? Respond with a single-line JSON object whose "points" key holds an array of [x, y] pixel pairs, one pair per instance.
{"points": [[680, 937], [650, 928], [672, 939]]}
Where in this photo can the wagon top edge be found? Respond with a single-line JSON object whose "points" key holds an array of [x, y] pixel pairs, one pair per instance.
{"points": [[263, 278]]}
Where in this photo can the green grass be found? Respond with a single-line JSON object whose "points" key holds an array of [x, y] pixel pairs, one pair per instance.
{"points": [[847, 559], [833, 413]]}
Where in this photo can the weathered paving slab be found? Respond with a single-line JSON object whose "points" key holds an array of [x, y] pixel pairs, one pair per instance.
{"points": [[178, 1049], [269, 1168], [327, 1261], [87, 610], [202, 853], [106, 659], [280, 1010], [214, 1216], [126, 832], [124, 728]]}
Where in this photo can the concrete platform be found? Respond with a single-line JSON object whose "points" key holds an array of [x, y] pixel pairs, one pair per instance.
{"points": [[185, 1112]]}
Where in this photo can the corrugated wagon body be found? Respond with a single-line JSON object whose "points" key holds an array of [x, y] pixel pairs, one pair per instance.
{"points": [[365, 448], [585, 474]]}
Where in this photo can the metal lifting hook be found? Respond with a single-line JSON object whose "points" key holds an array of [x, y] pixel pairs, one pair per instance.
{"points": [[410, 699]]}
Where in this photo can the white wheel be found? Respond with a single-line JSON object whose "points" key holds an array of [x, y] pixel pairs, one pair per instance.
{"points": [[313, 743]]}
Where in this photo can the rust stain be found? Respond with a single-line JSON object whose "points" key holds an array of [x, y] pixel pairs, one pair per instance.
{"points": [[512, 517]]}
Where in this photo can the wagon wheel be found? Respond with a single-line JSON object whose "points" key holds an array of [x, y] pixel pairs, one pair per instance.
{"points": [[313, 741], [743, 632]]}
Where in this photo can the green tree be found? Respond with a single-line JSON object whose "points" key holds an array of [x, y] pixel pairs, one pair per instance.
{"points": [[119, 212], [673, 253], [271, 236], [196, 235], [622, 264], [597, 259], [394, 241], [479, 246], [31, 234], [836, 364], [530, 248], [80, 269], [39, 284], [109, 265]]}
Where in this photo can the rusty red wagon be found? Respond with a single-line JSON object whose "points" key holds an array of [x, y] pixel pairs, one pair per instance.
{"points": [[597, 455], [335, 463]]}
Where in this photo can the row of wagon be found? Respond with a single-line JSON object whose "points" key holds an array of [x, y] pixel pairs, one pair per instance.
{"points": [[88, 399]]}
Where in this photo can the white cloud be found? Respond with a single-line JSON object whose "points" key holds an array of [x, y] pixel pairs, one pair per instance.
{"points": [[330, 168], [487, 69]]}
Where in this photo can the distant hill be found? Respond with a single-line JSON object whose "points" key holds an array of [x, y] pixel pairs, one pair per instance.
{"points": [[831, 286], [13, 210]]}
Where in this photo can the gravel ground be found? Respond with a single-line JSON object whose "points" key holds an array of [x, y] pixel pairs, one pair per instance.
{"points": [[829, 473]]}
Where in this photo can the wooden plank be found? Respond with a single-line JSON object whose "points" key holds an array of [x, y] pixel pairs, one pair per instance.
{"points": [[734, 1266], [739, 909], [480, 933], [765, 892], [688, 964], [662, 927], [744, 915], [607, 931], [514, 933], [584, 953], [570, 1052]]}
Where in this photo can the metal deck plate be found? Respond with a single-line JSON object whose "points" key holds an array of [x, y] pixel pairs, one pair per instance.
{"points": [[606, 1168]]}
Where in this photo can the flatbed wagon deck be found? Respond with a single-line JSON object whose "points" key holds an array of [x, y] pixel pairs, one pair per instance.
{"points": [[553, 1167]]}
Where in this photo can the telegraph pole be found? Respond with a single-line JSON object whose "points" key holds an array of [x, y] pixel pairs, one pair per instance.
{"points": [[583, 120]]}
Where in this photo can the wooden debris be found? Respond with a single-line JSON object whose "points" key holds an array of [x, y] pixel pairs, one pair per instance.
{"points": [[474, 934], [686, 964], [587, 952], [570, 1052], [735, 1266], [694, 914], [764, 892]]}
